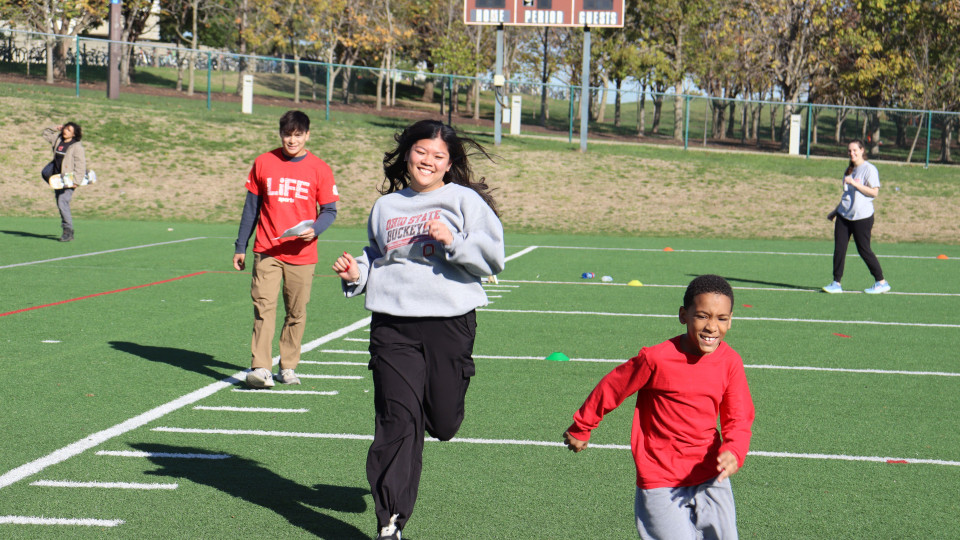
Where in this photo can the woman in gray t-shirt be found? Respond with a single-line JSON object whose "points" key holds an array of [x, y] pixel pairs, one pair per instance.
{"points": [[854, 215]]}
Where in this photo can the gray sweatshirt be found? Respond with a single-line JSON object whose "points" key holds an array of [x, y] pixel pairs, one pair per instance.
{"points": [[406, 273]]}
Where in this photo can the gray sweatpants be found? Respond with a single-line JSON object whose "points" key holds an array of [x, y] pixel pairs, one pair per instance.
{"points": [[63, 197], [700, 512]]}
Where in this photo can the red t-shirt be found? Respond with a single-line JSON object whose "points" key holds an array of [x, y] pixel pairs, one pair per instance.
{"points": [[290, 192], [674, 439]]}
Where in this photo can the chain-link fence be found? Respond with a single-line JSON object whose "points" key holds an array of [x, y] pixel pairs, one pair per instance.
{"points": [[633, 115]]}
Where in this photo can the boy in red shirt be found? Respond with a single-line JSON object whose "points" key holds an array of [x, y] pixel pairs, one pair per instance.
{"points": [[682, 386], [285, 187]]}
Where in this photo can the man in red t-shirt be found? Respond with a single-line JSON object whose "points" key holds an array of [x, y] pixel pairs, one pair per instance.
{"points": [[287, 188]]}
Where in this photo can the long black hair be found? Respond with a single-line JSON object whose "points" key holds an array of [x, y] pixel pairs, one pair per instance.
{"points": [[396, 176]]}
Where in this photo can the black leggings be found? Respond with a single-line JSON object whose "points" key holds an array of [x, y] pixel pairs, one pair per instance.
{"points": [[860, 229]]}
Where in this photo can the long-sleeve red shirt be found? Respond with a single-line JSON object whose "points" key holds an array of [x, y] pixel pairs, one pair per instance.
{"points": [[675, 441]]}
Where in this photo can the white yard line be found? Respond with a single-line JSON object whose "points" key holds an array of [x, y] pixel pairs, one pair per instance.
{"points": [[736, 288], [163, 455], [363, 364], [67, 452], [342, 377], [251, 409], [767, 319], [106, 485], [748, 366], [30, 520], [520, 253], [521, 442], [733, 252], [101, 252], [267, 392]]}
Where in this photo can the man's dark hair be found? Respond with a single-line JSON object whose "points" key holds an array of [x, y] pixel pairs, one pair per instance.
{"points": [[707, 283], [294, 121]]}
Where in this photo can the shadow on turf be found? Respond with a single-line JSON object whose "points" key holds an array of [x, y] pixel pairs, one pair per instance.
{"points": [[247, 479], [31, 235], [734, 280], [197, 362]]}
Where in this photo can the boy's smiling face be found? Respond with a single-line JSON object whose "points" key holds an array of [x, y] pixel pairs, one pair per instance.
{"points": [[707, 320]]}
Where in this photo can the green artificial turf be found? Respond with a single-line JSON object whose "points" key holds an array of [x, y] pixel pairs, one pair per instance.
{"points": [[96, 334]]}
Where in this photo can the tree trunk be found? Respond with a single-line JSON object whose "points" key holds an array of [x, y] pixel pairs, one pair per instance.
{"points": [[946, 139], [641, 111], [179, 58], [730, 120], [874, 133], [427, 91], [194, 41], [773, 122], [49, 43], [296, 77], [476, 100], [242, 66], [744, 123], [383, 62], [657, 109], [677, 114], [544, 78], [757, 113], [616, 103], [60, 58], [915, 137]]}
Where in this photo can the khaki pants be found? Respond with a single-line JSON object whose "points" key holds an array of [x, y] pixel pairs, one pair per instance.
{"points": [[268, 275]]}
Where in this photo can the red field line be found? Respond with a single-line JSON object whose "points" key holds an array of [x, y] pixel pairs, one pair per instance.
{"points": [[102, 293]]}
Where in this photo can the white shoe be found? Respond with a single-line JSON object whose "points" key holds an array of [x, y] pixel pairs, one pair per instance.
{"points": [[833, 288], [260, 378], [878, 288], [391, 531], [89, 178], [287, 376]]}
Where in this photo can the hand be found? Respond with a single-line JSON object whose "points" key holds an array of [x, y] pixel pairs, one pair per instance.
{"points": [[573, 443], [238, 261], [727, 465], [346, 267], [439, 232], [307, 235], [850, 180]]}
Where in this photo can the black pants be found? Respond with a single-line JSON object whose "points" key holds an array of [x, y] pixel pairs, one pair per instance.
{"points": [[421, 371], [860, 229]]}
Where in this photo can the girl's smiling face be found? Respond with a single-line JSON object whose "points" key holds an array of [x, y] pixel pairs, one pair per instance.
{"points": [[427, 161], [855, 151], [707, 320]]}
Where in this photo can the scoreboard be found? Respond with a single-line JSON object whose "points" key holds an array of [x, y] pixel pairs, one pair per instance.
{"points": [[574, 13]]}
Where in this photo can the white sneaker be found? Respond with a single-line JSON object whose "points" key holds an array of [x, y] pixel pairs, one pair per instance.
{"points": [[833, 288], [260, 378], [878, 288], [390, 532], [287, 376], [89, 178]]}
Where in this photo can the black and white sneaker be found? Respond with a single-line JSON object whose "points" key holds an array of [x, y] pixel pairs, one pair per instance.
{"points": [[391, 531]]}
